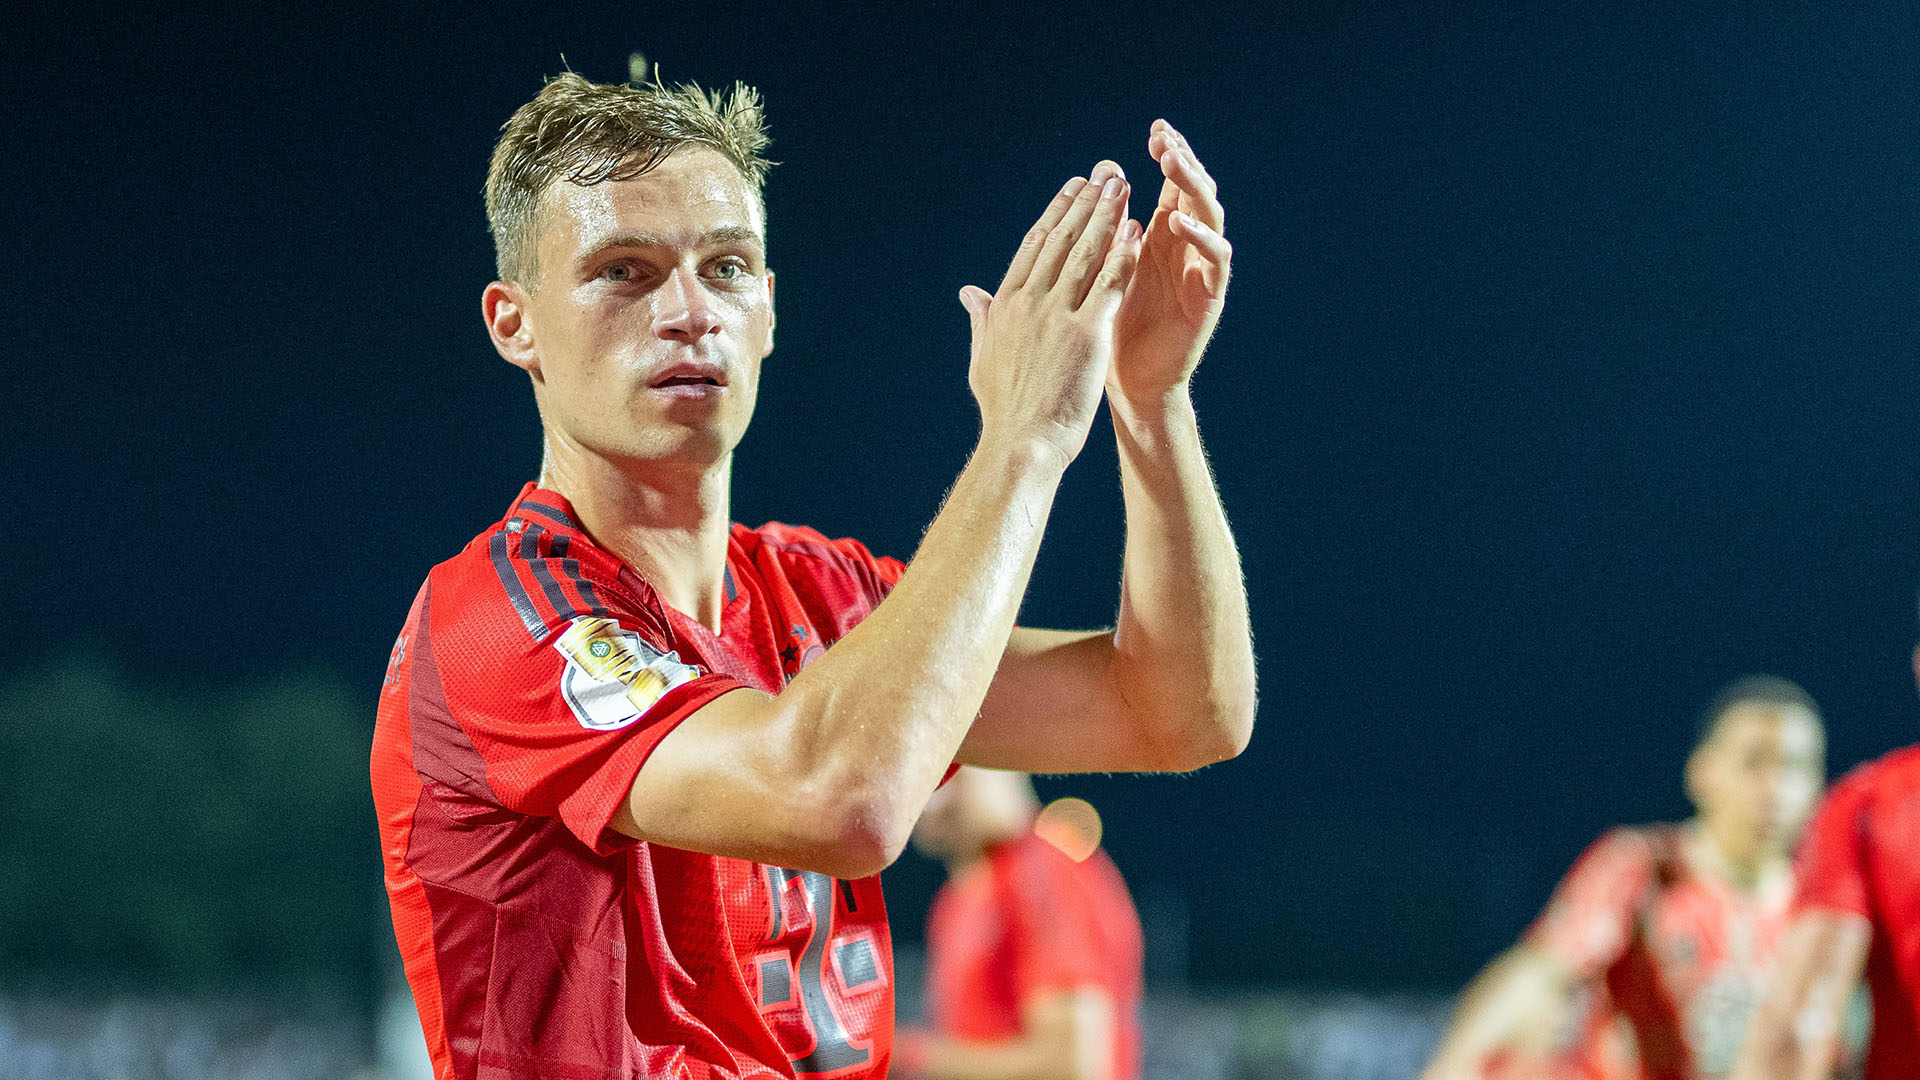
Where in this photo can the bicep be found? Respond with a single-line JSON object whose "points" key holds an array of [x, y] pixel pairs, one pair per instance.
{"points": [[1053, 708], [730, 779]]}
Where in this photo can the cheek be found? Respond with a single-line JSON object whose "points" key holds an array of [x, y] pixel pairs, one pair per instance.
{"points": [[1798, 792]]}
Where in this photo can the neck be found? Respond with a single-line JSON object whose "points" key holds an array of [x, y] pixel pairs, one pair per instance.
{"points": [[1745, 871], [667, 521]]}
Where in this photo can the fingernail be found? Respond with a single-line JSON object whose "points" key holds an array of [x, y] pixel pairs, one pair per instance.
{"points": [[1112, 190], [1074, 185]]}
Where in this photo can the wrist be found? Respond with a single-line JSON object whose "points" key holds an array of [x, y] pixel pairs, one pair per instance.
{"points": [[1139, 410], [1027, 456]]}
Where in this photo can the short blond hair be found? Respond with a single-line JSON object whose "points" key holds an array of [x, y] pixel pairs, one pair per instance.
{"points": [[585, 132]]}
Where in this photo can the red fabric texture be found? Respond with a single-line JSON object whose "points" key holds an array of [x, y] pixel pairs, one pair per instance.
{"points": [[1673, 960], [1860, 858], [1025, 921], [538, 941]]}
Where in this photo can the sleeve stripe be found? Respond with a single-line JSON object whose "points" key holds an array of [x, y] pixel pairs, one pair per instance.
{"points": [[516, 592], [571, 568], [550, 513], [530, 551]]}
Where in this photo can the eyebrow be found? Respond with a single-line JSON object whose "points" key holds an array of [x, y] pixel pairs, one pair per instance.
{"points": [[725, 234]]}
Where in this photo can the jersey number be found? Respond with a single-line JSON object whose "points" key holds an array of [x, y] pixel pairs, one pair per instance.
{"points": [[833, 1050]]}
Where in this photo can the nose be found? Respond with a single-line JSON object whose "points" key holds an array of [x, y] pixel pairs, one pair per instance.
{"points": [[684, 313]]}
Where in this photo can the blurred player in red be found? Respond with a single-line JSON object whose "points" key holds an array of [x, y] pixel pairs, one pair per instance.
{"points": [[1856, 914], [1654, 949], [1033, 946], [636, 767]]}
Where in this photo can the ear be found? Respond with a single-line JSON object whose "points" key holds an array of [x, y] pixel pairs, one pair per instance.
{"points": [[504, 306], [1693, 776], [772, 313]]}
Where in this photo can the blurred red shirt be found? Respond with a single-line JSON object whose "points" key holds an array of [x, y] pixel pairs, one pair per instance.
{"points": [[1673, 961], [1027, 920], [1862, 857]]}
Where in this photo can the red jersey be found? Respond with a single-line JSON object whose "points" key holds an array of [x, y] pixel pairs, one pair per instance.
{"points": [[535, 674], [1674, 960], [1859, 858], [1025, 920]]}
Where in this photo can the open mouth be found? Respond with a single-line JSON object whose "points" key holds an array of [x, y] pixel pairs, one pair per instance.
{"points": [[687, 380]]}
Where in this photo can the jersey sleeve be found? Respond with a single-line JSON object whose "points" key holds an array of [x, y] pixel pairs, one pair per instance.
{"points": [[1589, 922], [1829, 871], [564, 714], [1054, 923]]}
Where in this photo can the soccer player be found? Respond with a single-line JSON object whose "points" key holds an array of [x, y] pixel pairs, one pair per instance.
{"points": [[1856, 913], [1655, 947], [1033, 946], [636, 767]]}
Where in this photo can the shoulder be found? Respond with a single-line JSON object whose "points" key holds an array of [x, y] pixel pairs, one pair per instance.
{"points": [[1619, 866], [1633, 847], [804, 554], [531, 576], [1853, 796], [1896, 769]]}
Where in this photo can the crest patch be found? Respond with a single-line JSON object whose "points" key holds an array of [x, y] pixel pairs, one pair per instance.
{"points": [[612, 676]]}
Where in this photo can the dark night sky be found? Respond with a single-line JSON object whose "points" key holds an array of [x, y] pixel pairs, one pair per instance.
{"points": [[1568, 371]]}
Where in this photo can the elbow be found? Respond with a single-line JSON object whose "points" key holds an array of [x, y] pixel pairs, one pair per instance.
{"points": [[857, 835], [1219, 731]]}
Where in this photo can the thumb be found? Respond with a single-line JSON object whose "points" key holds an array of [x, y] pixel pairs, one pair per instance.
{"points": [[976, 300]]}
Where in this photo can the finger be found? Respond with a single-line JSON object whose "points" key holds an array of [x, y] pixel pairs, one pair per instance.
{"points": [[1212, 246], [1089, 253], [1030, 244], [976, 300], [1185, 172], [1115, 272], [1060, 240]]}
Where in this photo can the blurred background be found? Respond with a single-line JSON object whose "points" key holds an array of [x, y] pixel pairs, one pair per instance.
{"points": [[1569, 370]]}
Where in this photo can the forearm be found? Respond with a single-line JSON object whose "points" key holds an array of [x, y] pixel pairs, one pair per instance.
{"points": [[1064, 1036], [878, 718], [1183, 649], [1518, 1003]]}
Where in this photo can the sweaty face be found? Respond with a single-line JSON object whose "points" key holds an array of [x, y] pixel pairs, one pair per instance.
{"points": [[1756, 779], [653, 312]]}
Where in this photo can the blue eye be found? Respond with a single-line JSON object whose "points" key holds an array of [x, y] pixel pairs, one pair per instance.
{"points": [[618, 272]]}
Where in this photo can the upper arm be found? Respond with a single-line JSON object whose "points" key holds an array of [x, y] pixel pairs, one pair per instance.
{"points": [[1052, 709], [1594, 912], [1061, 702], [733, 779]]}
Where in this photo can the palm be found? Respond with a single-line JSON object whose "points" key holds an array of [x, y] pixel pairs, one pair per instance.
{"points": [[1178, 289]]}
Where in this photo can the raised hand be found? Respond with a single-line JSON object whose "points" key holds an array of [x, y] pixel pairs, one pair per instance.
{"points": [[1043, 343], [1175, 298]]}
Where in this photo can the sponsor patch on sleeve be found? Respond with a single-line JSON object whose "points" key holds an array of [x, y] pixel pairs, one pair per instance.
{"points": [[612, 676]]}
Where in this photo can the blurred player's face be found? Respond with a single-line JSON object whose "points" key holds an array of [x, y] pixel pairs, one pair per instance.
{"points": [[1756, 778], [653, 312]]}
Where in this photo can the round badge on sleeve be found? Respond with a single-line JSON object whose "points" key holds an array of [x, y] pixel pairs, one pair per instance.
{"points": [[613, 676]]}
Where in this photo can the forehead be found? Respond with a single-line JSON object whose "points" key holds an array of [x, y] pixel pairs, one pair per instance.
{"points": [[1749, 723], [692, 192]]}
